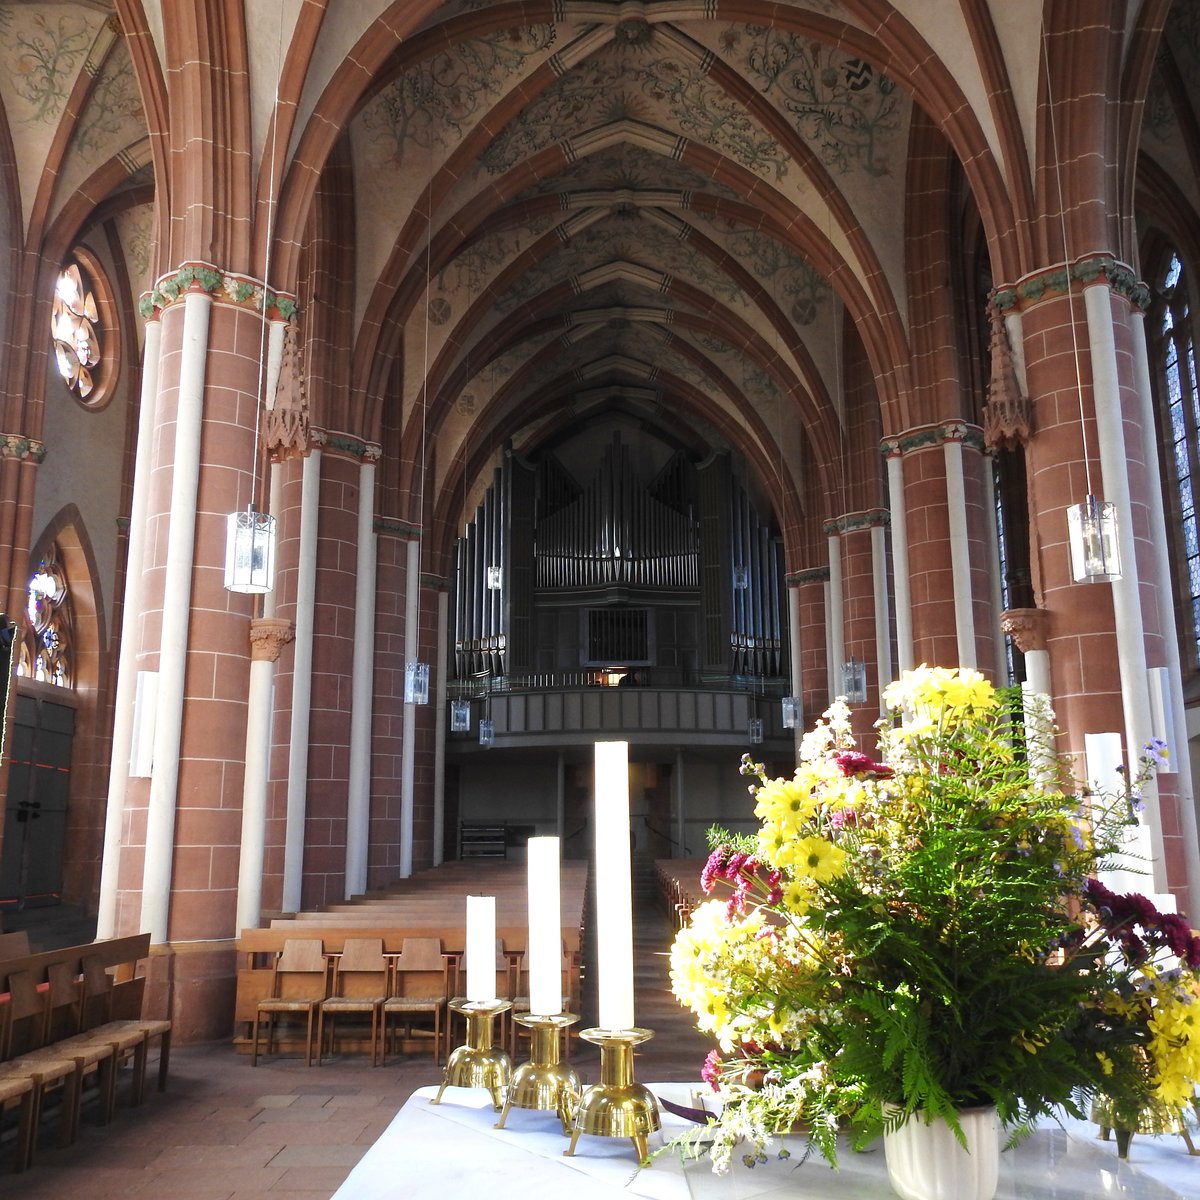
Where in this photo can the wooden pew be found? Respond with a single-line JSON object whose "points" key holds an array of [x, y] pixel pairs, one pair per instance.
{"points": [[79, 1005]]}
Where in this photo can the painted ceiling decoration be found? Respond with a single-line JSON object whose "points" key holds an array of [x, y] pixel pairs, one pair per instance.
{"points": [[701, 200]]}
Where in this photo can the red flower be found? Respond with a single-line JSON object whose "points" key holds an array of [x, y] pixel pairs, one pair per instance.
{"points": [[855, 762], [711, 1071]]}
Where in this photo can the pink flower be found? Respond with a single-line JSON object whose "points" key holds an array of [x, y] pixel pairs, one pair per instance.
{"points": [[855, 762], [711, 1071]]}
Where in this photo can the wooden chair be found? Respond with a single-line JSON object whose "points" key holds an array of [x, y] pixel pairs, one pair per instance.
{"points": [[27, 1059], [299, 982], [360, 985], [95, 1056], [457, 964], [14, 945], [16, 1089], [19, 1088], [519, 990], [127, 1036], [420, 989]]}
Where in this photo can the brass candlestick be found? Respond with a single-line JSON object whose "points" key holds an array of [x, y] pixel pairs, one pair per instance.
{"points": [[478, 1064], [544, 1082], [617, 1106]]}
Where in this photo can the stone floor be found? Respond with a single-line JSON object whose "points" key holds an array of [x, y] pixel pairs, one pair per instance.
{"points": [[224, 1130]]}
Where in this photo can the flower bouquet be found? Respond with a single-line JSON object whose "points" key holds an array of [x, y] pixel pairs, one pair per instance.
{"points": [[923, 933]]}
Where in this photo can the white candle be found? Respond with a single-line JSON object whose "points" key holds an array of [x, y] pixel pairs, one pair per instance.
{"points": [[481, 948], [544, 949], [614, 887]]}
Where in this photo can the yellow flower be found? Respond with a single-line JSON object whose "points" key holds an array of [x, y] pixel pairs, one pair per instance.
{"points": [[796, 898], [939, 696], [787, 802], [817, 859]]}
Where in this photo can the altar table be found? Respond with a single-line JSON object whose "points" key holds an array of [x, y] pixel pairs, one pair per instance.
{"points": [[453, 1150]]}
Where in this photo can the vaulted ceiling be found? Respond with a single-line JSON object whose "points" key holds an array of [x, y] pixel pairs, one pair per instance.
{"points": [[506, 222]]}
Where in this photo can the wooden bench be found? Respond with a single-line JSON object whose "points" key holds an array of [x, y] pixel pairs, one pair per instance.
{"points": [[69, 1015]]}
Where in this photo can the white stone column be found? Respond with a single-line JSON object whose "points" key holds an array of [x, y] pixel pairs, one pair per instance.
{"points": [[883, 621], [177, 607], [268, 636], [560, 795], [1014, 326], [408, 754], [1037, 672], [680, 807], [1177, 737], [999, 658], [835, 617], [358, 798], [1127, 605], [122, 739], [960, 551], [306, 593], [794, 627], [439, 728], [900, 580]]}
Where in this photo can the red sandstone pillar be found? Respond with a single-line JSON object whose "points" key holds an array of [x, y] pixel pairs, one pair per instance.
{"points": [[943, 527], [814, 660], [1099, 650]]}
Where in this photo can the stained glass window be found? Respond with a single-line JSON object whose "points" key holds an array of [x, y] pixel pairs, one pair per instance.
{"points": [[75, 328], [45, 653], [1179, 401]]}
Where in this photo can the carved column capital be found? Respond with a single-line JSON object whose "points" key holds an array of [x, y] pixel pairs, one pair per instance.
{"points": [[1026, 627], [268, 636]]}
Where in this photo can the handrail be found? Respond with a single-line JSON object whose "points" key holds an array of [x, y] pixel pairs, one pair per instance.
{"points": [[640, 678], [666, 836]]}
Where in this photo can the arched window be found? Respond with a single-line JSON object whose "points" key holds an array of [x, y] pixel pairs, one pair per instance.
{"points": [[45, 653], [83, 329], [75, 327], [1173, 347]]}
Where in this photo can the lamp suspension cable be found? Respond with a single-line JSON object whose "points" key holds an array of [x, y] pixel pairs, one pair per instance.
{"points": [[789, 710], [849, 668], [416, 675], [250, 535], [1062, 221], [1092, 525]]}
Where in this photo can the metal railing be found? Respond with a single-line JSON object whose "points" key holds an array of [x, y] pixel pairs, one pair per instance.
{"points": [[675, 679]]}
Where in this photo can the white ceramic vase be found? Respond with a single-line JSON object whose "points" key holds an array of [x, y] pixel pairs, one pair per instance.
{"points": [[926, 1162]]}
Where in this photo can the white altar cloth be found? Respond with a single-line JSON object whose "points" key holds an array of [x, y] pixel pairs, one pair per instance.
{"points": [[453, 1150]]}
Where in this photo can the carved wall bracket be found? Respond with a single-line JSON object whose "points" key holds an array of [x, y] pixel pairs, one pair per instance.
{"points": [[1026, 627]]}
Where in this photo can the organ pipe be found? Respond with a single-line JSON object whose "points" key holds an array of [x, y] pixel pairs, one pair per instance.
{"points": [[546, 532]]}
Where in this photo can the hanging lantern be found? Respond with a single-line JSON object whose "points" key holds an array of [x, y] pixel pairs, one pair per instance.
{"points": [[249, 552], [1092, 528], [789, 708], [416, 683], [854, 681], [756, 731], [487, 733], [460, 716]]}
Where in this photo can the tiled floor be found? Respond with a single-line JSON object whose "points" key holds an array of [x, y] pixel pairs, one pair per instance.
{"points": [[224, 1130]]}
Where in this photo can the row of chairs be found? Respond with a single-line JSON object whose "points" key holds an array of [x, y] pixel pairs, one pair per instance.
{"points": [[403, 995], [677, 899], [57, 1035], [405, 991]]}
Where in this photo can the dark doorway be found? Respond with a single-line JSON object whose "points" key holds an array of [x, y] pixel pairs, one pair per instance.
{"points": [[35, 816]]}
